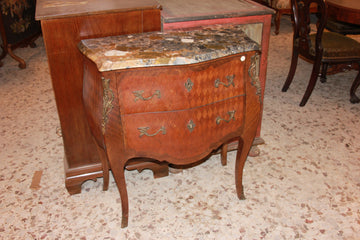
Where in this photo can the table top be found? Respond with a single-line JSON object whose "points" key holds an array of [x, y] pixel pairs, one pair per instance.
{"points": [[49, 9], [347, 11], [192, 10], [173, 10], [166, 48], [352, 4]]}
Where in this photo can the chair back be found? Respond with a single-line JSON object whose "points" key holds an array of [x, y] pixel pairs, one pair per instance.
{"points": [[302, 21]]}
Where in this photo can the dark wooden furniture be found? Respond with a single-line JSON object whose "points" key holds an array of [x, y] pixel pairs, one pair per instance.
{"points": [[254, 18], [283, 7], [173, 97], [344, 16], [279, 12], [344, 10], [64, 24], [323, 48], [18, 27]]}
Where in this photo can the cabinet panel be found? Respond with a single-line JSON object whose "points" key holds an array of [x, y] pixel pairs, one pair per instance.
{"points": [[61, 36]]}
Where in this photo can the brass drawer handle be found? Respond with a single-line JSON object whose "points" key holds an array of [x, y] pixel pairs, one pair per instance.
{"points": [[139, 95], [231, 117], [230, 81], [189, 84], [143, 131]]}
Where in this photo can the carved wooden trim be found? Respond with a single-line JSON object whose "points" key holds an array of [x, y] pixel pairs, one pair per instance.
{"points": [[108, 98]]}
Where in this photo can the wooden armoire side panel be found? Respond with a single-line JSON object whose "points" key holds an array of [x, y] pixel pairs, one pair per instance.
{"points": [[61, 36]]}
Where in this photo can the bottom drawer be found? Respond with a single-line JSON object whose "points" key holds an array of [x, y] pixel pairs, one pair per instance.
{"points": [[180, 136]]}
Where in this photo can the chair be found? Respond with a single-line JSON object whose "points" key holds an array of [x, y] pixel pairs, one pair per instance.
{"points": [[18, 27], [283, 7], [322, 48]]}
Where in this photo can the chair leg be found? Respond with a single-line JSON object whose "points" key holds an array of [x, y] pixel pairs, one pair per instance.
{"points": [[21, 61], [323, 72], [312, 82], [354, 86], [294, 61], [277, 22]]}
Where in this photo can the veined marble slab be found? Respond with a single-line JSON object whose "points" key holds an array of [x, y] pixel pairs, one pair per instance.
{"points": [[166, 48]]}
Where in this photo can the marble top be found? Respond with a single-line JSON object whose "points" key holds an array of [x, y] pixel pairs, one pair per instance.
{"points": [[166, 48]]}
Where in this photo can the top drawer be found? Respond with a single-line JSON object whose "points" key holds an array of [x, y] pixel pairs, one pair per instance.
{"points": [[183, 87]]}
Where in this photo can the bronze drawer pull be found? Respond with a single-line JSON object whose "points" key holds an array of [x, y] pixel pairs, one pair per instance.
{"points": [[191, 125], [231, 117], [189, 84], [139, 95], [230, 81], [143, 131]]}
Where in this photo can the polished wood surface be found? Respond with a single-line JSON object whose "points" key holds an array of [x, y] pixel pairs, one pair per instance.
{"points": [[190, 10], [48, 9], [175, 142], [62, 31], [344, 10]]}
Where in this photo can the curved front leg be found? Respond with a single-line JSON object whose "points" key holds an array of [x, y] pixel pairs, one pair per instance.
{"points": [[118, 170], [120, 181], [245, 143]]}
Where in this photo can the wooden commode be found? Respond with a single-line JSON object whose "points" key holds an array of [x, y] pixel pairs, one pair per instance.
{"points": [[171, 97]]}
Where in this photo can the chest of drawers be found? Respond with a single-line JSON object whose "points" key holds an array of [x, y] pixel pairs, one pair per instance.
{"points": [[173, 97]]}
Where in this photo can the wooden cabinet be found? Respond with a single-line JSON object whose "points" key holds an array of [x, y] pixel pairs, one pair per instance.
{"points": [[64, 24], [171, 97]]}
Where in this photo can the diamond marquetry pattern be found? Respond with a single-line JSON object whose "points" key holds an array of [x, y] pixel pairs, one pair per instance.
{"points": [[173, 85], [202, 139]]}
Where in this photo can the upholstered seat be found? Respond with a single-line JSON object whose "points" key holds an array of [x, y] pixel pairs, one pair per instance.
{"points": [[336, 46]]}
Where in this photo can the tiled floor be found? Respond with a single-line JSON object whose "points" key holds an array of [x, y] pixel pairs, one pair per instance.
{"points": [[304, 185]]}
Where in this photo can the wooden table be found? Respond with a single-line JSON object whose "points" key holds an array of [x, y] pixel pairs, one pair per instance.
{"points": [[344, 10], [64, 24], [345, 13]]}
